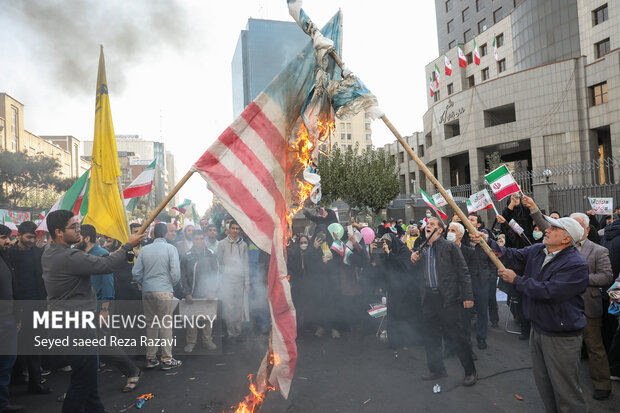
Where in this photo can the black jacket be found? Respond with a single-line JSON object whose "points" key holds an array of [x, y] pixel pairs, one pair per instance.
{"points": [[611, 241], [521, 215], [20, 279], [454, 279], [331, 217], [199, 274]]}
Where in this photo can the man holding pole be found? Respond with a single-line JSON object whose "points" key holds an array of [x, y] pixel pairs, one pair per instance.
{"points": [[552, 278], [448, 290]]}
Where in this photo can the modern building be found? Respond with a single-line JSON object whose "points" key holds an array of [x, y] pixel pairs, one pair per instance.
{"points": [[548, 104], [15, 138], [264, 48]]}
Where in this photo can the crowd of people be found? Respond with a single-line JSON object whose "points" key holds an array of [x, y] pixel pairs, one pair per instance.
{"points": [[438, 283]]}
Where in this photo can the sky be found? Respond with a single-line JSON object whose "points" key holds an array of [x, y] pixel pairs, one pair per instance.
{"points": [[168, 65]]}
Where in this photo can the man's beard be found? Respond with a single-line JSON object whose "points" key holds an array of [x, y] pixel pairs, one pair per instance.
{"points": [[81, 245]]}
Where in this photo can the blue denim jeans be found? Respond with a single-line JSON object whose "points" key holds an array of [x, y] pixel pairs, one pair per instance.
{"points": [[8, 351]]}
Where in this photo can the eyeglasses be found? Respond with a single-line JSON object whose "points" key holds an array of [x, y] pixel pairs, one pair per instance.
{"points": [[74, 227]]}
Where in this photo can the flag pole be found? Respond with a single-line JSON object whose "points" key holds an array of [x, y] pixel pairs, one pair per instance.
{"points": [[432, 178], [163, 203]]}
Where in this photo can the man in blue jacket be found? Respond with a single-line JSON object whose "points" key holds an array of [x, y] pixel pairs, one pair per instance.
{"points": [[552, 277]]}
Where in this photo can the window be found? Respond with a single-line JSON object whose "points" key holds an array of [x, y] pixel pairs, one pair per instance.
{"points": [[482, 25], [369, 147], [366, 116], [465, 14], [499, 115], [501, 66], [469, 58], [436, 96], [420, 150], [401, 157], [429, 140], [348, 136], [348, 127], [499, 40], [403, 184], [450, 88], [450, 25], [342, 136], [599, 94], [344, 147], [452, 129], [600, 15], [601, 48], [368, 136], [342, 125], [451, 44], [471, 81], [485, 74], [468, 35], [448, 5], [483, 50], [479, 5], [349, 146], [497, 15], [14, 122], [367, 126]]}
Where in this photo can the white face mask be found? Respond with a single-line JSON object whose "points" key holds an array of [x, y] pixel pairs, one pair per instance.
{"points": [[303, 246], [451, 236], [537, 235], [428, 215]]}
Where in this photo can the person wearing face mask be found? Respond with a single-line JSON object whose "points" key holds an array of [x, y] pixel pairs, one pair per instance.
{"points": [[410, 237], [296, 266], [537, 235]]}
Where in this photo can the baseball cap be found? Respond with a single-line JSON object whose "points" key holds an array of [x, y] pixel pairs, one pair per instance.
{"points": [[574, 228]]}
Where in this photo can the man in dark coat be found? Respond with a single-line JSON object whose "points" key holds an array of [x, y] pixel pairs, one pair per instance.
{"points": [[447, 290], [553, 277]]}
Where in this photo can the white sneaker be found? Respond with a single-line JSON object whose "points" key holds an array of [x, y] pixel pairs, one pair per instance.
{"points": [[319, 332], [335, 333], [210, 345], [614, 378], [189, 348]]}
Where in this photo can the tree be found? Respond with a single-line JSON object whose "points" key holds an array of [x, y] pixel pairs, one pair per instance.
{"points": [[368, 180], [494, 161], [23, 176]]}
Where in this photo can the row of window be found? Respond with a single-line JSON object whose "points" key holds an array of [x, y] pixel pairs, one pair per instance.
{"points": [[479, 6], [348, 136], [499, 41], [345, 147], [482, 24], [471, 80]]}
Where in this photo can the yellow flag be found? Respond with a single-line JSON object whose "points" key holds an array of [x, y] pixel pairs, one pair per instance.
{"points": [[105, 208]]}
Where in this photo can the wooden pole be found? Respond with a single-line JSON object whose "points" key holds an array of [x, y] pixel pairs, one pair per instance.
{"points": [[163, 204], [443, 192], [432, 178]]}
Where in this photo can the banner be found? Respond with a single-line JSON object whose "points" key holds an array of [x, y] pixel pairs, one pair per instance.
{"points": [[602, 206], [439, 199], [479, 201]]}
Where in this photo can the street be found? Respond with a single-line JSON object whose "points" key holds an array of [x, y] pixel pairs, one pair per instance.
{"points": [[356, 373]]}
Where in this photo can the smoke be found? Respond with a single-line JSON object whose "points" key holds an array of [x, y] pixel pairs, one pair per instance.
{"points": [[64, 36]]}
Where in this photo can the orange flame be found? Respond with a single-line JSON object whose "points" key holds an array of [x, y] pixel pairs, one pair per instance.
{"points": [[253, 401], [304, 149]]}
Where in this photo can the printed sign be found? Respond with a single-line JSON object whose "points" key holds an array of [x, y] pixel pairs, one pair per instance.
{"points": [[439, 199], [480, 200], [602, 206]]}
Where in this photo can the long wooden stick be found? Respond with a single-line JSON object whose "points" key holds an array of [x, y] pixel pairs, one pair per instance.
{"points": [[163, 204], [443, 192], [432, 178]]}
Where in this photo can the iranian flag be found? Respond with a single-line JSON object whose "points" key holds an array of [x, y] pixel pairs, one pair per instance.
{"points": [[10, 223], [502, 183], [495, 53], [448, 65], [142, 185], [74, 200], [183, 207], [462, 58], [437, 76], [479, 201], [476, 54], [429, 201], [432, 86]]}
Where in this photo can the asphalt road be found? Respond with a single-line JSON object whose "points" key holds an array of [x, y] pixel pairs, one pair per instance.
{"points": [[356, 373]]}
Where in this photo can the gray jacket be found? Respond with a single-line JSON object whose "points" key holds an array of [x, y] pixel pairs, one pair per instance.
{"points": [[233, 259], [67, 271], [157, 268]]}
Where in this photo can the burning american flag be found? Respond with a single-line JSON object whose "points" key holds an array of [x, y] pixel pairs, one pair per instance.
{"points": [[252, 169]]}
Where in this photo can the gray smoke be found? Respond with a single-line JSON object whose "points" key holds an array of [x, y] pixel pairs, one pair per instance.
{"points": [[64, 36]]}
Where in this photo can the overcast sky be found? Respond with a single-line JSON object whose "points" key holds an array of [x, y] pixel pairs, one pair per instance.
{"points": [[169, 64]]}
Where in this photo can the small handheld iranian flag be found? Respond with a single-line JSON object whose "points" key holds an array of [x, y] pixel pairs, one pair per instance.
{"points": [[495, 52], [476, 54], [502, 183], [432, 86], [448, 65], [462, 58], [437, 76], [183, 207], [142, 184], [429, 201], [74, 200]]}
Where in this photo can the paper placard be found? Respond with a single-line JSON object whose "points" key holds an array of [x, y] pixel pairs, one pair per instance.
{"points": [[602, 206]]}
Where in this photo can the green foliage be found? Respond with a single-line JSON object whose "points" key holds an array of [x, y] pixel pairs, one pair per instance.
{"points": [[24, 178], [494, 161], [365, 180]]}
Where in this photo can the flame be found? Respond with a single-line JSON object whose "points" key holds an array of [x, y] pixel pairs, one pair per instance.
{"points": [[305, 152], [253, 401]]}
